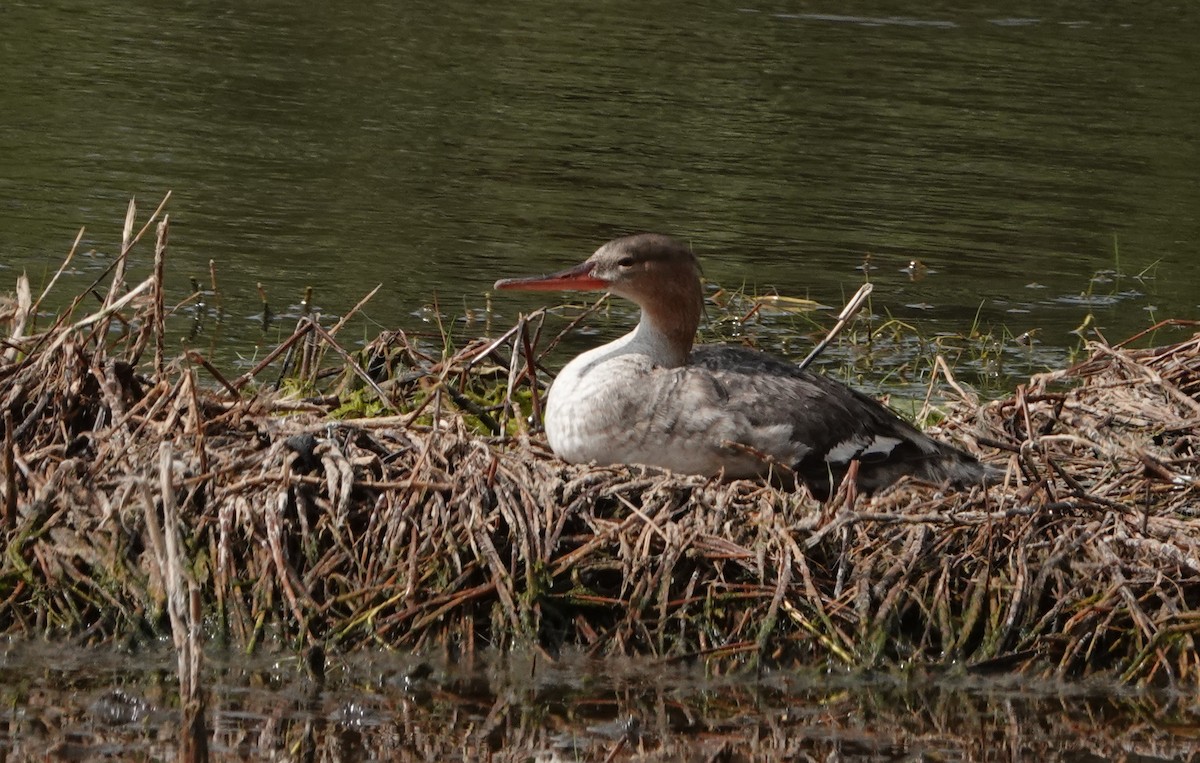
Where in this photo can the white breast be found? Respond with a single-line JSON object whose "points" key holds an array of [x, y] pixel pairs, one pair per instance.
{"points": [[614, 405]]}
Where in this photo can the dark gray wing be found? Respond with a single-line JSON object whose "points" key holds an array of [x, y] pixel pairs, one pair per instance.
{"points": [[834, 422]]}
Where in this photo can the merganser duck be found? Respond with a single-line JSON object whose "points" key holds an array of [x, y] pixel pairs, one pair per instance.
{"points": [[652, 398]]}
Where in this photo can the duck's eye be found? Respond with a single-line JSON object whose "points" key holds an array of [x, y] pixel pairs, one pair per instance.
{"points": [[625, 262]]}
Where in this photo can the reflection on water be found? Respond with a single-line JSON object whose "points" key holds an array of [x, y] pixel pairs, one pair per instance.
{"points": [[78, 704], [436, 146]]}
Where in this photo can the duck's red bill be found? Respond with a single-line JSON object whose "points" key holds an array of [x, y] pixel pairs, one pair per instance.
{"points": [[578, 278]]}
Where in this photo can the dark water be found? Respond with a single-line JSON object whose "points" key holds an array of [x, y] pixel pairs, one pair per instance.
{"points": [[1041, 160], [66, 703]]}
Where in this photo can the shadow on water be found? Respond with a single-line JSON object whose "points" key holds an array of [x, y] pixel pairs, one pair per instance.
{"points": [[77, 704]]}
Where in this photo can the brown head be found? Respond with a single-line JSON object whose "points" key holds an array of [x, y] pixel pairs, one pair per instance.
{"points": [[656, 272]]}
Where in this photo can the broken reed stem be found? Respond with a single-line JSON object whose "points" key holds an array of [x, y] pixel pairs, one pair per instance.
{"points": [[183, 603], [10, 472], [160, 252], [117, 284], [218, 305], [266, 306], [58, 273], [302, 330], [354, 311], [531, 369], [848, 312], [216, 374], [103, 315], [20, 319]]}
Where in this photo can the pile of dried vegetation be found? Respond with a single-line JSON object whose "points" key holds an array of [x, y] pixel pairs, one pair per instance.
{"points": [[142, 494]]}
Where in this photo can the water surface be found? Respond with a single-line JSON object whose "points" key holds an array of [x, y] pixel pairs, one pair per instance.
{"points": [[80, 704], [1041, 161]]}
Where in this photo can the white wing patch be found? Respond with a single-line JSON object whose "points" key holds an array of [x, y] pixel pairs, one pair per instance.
{"points": [[877, 448]]}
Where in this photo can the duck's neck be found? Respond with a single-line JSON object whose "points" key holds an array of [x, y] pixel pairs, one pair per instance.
{"points": [[662, 348], [666, 333]]}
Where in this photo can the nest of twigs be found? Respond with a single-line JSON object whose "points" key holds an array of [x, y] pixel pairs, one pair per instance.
{"points": [[139, 491]]}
